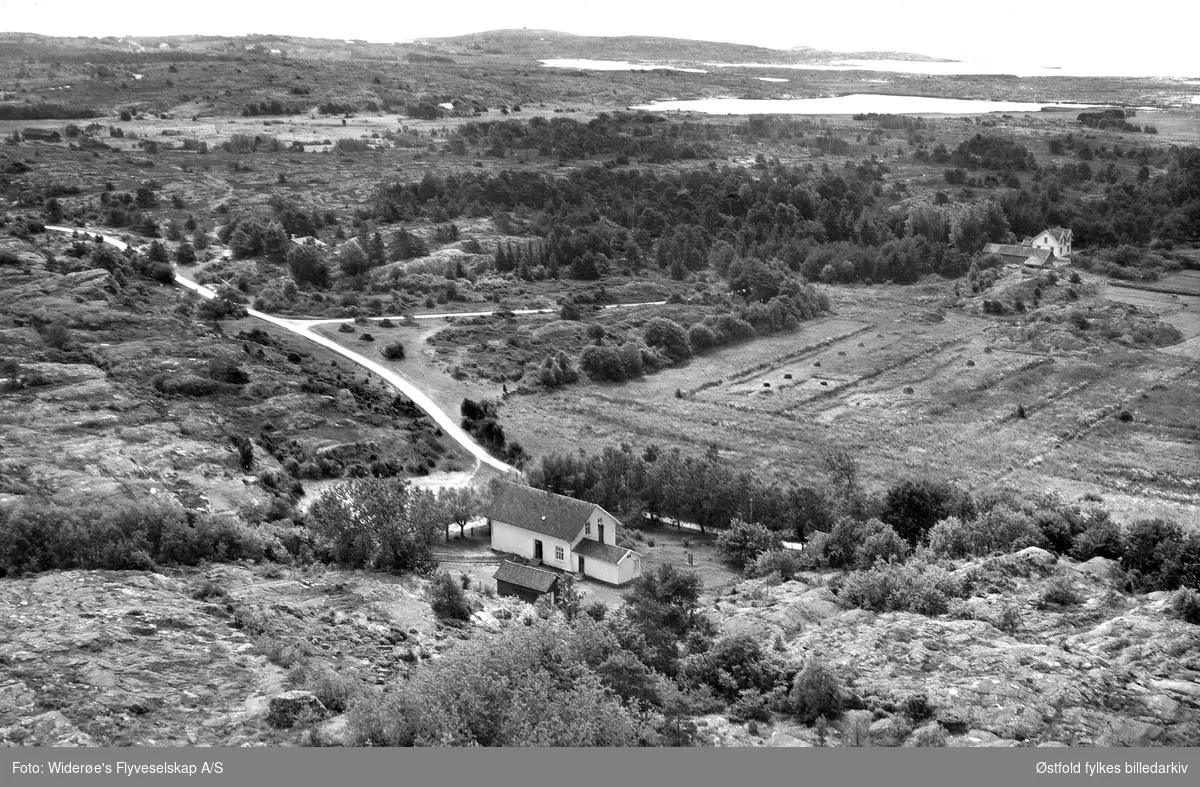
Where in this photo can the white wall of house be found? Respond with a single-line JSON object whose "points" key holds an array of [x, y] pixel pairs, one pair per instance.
{"points": [[592, 528], [598, 569], [629, 569], [518, 541], [1046, 241]]}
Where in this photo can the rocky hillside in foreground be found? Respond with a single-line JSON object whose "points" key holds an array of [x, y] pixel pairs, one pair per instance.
{"points": [[196, 657]]}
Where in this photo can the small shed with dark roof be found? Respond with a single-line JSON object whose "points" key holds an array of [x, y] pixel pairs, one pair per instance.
{"points": [[525, 582]]}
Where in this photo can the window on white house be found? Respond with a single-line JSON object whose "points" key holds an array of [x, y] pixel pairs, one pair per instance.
{"points": [[587, 528], [637, 566], [558, 553]]}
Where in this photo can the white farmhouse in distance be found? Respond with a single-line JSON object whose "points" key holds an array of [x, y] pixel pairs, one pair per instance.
{"points": [[1056, 239]]}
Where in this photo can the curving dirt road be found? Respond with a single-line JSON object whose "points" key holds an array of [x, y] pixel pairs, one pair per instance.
{"points": [[303, 328]]}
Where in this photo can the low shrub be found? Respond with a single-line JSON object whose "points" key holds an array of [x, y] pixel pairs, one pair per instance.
{"points": [[785, 562], [448, 600], [1059, 592], [335, 691], [1008, 619], [998, 530], [816, 692], [43, 536], [751, 706], [858, 544], [1099, 537], [393, 351], [743, 542], [915, 586], [917, 707], [1185, 604], [209, 591], [1159, 555], [733, 664]]}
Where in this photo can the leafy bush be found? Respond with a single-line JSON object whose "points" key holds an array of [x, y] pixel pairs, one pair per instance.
{"points": [[1149, 551], [880, 543], [1186, 606], [378, 523], [1099, 537], [1059, 592], [1008, 618], [733, 664], [43, 536], [913, 507], [335, 691], [999, 530], [536, 685], [917, 707], [393, 351], [668, 337], [743, 542], [702, 338], [785, 562], [915, 586], [557, 370], [816, 692], [448, 600], [602, 362], [751, 705], [857, 543]]}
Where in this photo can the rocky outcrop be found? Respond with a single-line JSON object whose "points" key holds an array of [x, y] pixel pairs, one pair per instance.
{"points": [[1115, 669], [194, 657]]}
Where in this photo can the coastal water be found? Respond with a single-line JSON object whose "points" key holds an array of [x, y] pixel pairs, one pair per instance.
{"points": [[1018, 67], [859, 103]]}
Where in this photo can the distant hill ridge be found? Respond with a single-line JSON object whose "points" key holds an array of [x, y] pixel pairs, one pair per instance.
{"points": [[533, 44], [550, 43]]}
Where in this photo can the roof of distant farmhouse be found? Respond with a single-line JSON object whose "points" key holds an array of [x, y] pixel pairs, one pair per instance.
{"points": [[1060, 234], [1022, 252], [540, 511]]}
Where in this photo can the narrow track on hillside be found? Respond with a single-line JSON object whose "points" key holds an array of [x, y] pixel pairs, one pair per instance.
{"points": [[304, 329]]}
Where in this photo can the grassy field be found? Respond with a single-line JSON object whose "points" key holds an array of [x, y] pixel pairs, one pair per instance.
{"points": [[911, 380], [910, 389]]}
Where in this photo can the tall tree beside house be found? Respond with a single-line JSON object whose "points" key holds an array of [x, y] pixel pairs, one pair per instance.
{"points": [[378, 523], [664, 606], [352, 259], [307, 264], [462, 504]]}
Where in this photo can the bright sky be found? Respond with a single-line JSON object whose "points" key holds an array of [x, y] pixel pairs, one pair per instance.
{"points": [[1049, 31]]}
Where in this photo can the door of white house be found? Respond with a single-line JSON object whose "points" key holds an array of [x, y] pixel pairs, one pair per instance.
{"points": [[581, 564], [600, 533], [537, 550]]}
